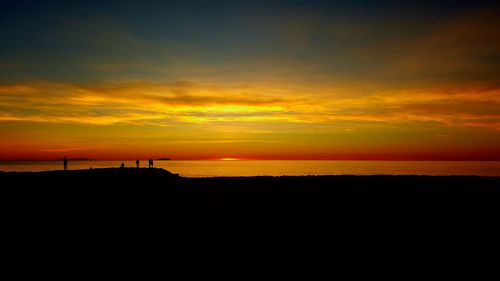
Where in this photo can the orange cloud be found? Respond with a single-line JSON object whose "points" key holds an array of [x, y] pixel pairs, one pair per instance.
{"points": [[150, 103]]}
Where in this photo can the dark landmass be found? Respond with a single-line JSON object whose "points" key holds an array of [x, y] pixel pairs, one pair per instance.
{"points": [[75, 159], [18, 160], [154, 193], [315, 210], [39, 160], [373, 190]]}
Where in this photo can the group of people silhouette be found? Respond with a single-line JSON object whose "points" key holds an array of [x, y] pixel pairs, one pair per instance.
{"points": [[150, 163], [137, 163]]}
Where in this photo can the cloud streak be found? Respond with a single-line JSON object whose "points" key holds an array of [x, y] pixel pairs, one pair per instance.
{"points": [[161, 104]]}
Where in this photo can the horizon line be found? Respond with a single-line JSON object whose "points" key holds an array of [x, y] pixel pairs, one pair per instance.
{"points": [[259, 159]]}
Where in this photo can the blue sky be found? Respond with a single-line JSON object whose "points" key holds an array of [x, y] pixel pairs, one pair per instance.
{"points": [[66, 36]]}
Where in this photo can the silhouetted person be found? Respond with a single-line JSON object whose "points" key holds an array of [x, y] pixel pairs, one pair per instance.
{"points": [[122, 166], [65, 161], [137, 163], [150, 163]]}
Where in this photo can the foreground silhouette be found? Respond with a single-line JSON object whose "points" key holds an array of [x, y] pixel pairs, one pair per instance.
{"points": [[360, 205], [163, 180]]}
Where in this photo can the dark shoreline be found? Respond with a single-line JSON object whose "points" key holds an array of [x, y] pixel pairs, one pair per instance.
{"points": [[157, 197], [118, 174], [160, 180]]}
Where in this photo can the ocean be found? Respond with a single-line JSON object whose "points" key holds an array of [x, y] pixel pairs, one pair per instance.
{"points": [[280, 167]]}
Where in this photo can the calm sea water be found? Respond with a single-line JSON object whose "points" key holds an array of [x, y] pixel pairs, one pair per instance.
{"points": [[279, 168]]}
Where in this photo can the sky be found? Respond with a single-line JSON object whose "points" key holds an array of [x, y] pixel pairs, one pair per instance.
{"points": [[342, 80]]}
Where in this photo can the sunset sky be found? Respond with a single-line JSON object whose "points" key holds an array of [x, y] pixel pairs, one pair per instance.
{"points": [[373, 80]]}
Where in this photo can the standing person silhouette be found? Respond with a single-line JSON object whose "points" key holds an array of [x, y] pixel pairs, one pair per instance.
{"points": [[150, 163], [137, 163], [65, 161]]}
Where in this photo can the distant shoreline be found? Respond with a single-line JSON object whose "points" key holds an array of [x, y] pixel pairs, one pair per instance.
{"points": [[75, 159], [237, 160], [161, 171], [51, 160]]}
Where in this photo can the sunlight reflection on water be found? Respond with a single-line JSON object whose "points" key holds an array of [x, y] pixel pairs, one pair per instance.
{"points": [[279, 168]]}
